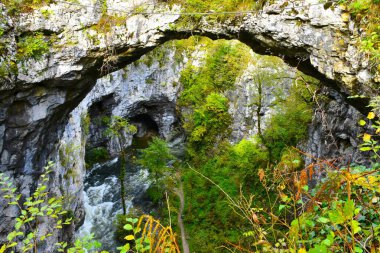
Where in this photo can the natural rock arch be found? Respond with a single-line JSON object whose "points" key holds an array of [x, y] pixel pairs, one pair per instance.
{"points": [[36, 101]]}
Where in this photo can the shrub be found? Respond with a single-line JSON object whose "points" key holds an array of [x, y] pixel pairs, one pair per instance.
{"points": [[96, 155], [27, 234], [32, 47]]}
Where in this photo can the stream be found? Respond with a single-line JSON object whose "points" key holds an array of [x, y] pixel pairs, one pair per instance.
{"points": [[102, 199]]}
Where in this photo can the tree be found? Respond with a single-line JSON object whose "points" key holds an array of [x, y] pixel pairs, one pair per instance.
{"points": [[267, 78], [116, 128], [156, 158]]}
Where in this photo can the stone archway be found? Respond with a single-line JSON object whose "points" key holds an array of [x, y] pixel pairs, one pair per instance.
{"points": [[38, 100], [35, 103]]}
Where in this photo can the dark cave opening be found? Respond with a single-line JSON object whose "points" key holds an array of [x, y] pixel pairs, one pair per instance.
{"points": [[147, 128]]}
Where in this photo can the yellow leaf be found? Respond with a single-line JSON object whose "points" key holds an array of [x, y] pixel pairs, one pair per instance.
{"points": [[371, 115], [129, 237], [366, 137], [302, 250], [261, 174], [3, 248]]}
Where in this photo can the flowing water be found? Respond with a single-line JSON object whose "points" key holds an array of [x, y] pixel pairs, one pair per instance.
{"points": [[102, 198]]}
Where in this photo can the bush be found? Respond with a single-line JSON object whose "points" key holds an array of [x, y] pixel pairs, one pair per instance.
{"points": [[96, 155], [32, 47]]}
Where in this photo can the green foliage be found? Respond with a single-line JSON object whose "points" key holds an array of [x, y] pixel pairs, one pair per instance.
{"points": [[210, 221], [7, 67], [371, 140], [46, 13], [116, 128], [366, 13], [120, 232], [209, 122], [346, 216], [195, 6], [339, 215], [156, 158], [32, 47], [223, 65], [15, 7], [96, 155], [133, 237], [117, 125], [85, 122], [27, 233], [86, 244], [288, 126]]}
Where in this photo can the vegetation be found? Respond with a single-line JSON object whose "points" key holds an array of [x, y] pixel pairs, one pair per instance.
{"points": [[32, 47], [156, 158], [38, 206], [149, 235], [96, 155], [366, 13], [208, 119], [15, 7], [117, 127], [210, 222], [198, 6]]}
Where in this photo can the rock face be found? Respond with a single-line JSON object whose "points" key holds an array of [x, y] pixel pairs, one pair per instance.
{"points": [[318, 41], [334, 131], [36, 102]]}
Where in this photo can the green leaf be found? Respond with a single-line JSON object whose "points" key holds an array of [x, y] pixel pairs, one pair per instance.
{"points": [[12, 245], [281, 207], [128, 227], [358, 249], [11, 235], [362, 122], [327, 242], [356, 226], [336, 217], [319, 249], [323, 220], [18, 225], [348, 209]]}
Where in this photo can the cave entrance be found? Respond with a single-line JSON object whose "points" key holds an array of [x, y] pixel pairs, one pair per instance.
{"points": [[147, 128]]}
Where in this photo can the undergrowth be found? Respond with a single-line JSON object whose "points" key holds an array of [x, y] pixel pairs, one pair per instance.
{"points": [[367, 15]]}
